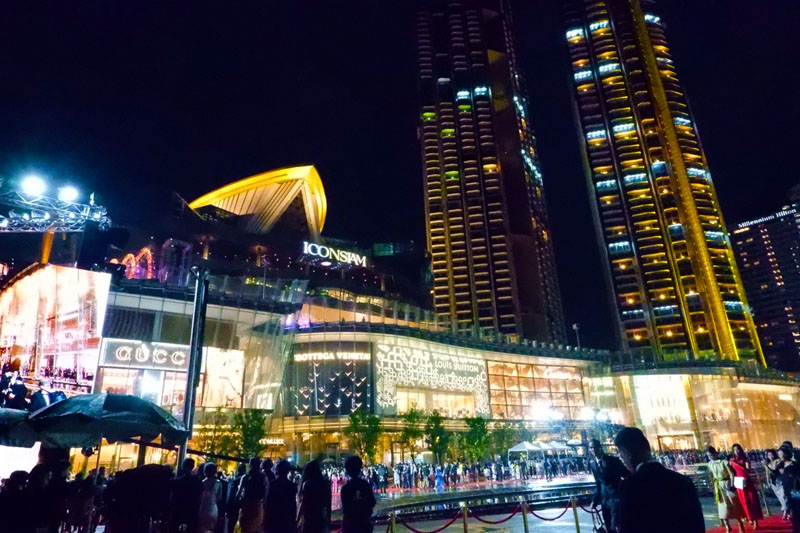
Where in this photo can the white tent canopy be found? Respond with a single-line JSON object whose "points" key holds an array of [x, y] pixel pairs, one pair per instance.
{"points": [[523, 447]]}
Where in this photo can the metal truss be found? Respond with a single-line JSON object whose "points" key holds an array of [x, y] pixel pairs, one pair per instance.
{"points": [[42, 214]]}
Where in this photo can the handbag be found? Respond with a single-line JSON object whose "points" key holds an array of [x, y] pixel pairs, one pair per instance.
{"points": [[739, 482], [598, 526]]}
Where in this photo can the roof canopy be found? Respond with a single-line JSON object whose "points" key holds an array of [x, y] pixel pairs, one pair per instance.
{"points": [[262, 200]]}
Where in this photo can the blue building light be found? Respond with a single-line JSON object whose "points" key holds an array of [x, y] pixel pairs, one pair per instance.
{"points": [[598, 24], [681, 121], [715, 236], [596, 134], [655, 19], [481, 91], [734, 305], [619, 247], [633, 313], [574, 32], [639, 177], [608, 67], [583, 75], [697, 172], [462, 95], [623, 128], [533, 167], [605, 185]]}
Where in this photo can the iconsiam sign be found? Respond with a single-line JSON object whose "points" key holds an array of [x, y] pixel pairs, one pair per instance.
{"points": [[342, 256], [405, 366]]}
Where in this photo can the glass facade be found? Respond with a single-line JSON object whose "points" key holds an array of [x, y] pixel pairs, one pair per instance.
{"points": [[684, 410], [523, 391], [246, 339], [51, 322]]}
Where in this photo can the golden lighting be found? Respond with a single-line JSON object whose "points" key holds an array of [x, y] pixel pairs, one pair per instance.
{"points": [[270, 195], [629, 300], [669, 333]]}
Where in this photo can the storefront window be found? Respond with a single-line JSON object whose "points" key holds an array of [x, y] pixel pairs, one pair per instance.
{"points": [[555, 389]]}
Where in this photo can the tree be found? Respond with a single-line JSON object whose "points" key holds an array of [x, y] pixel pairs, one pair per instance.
{"points": [[364, 431], [455, 448], [412, 430], [249, 429], [216, 437], [477, 438], [437, 437], [504, 436], [524, 433]]}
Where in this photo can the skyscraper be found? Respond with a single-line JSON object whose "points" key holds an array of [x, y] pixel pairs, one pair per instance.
{"points": [[768, 252], [487, 227], [667, 254]]}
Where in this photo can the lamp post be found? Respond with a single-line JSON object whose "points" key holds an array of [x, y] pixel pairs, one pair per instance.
{"points": [[200, 273], [576, 328]]}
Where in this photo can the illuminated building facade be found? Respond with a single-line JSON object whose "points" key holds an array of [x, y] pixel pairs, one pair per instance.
{"points": [[487, 226], [668, 258], [768, 252]]}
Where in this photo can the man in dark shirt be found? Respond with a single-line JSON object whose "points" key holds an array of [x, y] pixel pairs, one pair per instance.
{"points": [[654, 499], [281, 507], [357, 499], [185, 495], [608, 472]]}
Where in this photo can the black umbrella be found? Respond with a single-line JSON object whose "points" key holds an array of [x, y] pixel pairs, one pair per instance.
{"points": [[84, 420], [12, 430]]}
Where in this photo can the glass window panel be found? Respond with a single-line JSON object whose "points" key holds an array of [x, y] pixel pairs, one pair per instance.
{"points": [[514, 412], [558, 385], [510, 369], [574, 385], [512, 397], [560, 399], [543, 398], [525, 371], [542, 385], [495, 368], [496, 382], [498, 396], [511, 383], [576, 400], [527, 398], [526, 384]]}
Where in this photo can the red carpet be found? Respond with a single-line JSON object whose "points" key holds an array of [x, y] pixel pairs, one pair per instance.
{"points": [[772, 524]]}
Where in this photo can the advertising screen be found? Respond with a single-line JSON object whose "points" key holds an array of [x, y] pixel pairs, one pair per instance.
{"points": [[50, 325]]}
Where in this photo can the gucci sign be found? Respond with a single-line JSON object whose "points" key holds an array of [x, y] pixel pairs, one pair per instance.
{"points": [[151, 355]]}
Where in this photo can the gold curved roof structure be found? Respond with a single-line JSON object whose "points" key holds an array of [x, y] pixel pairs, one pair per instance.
{"points": [[267, 197]]}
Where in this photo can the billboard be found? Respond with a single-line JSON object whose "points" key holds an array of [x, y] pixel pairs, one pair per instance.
{"points": [[51, 321], [421, 365]]}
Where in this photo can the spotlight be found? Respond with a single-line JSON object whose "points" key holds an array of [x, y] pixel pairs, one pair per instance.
{"points": [[33, 185], [68, 194]]}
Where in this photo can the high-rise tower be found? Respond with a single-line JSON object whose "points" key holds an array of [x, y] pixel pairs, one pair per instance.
{"points": [[488, 233], [768, 252], [667, 252]]}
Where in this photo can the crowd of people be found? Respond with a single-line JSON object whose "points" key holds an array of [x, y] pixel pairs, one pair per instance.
{"points": [[409, 475], [265, 497], [260, 497], [633, 488], [14, 394]]}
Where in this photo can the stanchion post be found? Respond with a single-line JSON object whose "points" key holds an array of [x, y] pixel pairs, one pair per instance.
{"points": [[524, 505], [575, 514], [464, 516], [764, 497], [392, 518]]}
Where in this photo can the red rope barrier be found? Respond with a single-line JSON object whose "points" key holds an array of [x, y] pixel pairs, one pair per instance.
{"points": [[506, 519], [456, 517], [555, 517], [590, 511]]}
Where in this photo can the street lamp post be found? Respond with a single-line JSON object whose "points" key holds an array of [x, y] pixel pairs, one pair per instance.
{"points": [[576, 328], [200, 273]]}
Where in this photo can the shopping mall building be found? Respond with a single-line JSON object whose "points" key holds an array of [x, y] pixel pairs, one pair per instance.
{"points": [[310, 330]]}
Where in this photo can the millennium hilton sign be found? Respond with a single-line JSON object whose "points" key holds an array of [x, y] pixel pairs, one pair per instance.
{"points": [[341, 256]]}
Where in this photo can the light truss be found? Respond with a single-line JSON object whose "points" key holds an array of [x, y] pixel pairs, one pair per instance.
{"points": [[43, 214]]}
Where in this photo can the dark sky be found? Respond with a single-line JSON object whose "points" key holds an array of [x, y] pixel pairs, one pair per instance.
{"points": [[132, 99]]}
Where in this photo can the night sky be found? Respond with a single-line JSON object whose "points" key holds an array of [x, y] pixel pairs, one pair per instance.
{"points": [[132, 99]]}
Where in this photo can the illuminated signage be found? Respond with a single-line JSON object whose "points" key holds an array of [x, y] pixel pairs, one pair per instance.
{"points": [[331, 356], [150, 355], [428, 366], [341, 256]]}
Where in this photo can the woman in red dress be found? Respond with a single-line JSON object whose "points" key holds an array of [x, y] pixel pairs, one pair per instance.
{"points": [[745, 489]]}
